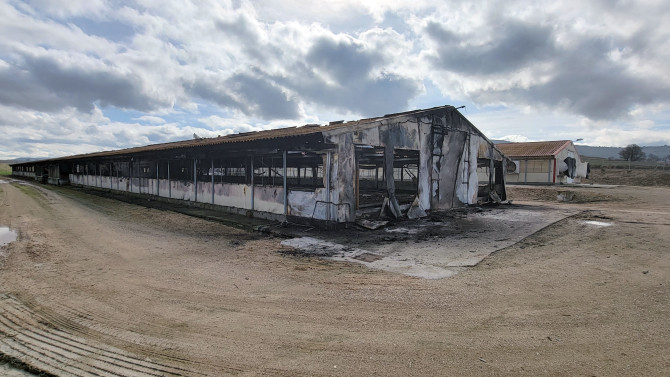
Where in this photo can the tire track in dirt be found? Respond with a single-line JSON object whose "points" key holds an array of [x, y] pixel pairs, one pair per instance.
{"points": [[36, 340], [90, 325]]}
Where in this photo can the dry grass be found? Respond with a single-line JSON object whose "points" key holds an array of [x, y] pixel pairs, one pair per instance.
{"points": [[633, 177], [5, 169]]}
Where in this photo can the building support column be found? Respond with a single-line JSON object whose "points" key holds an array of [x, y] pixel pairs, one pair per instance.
{"points": [[212, 172], [195, 180], [326, 174], [553, 174], [139, 176], [390, 181], [357, 181], [168, 180], [252, 182], [285, 156], [158, 186], [525, 171], [492, 169]]}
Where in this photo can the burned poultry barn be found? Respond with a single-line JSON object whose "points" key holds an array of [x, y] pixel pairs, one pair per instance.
{"points": [[419, 160]]}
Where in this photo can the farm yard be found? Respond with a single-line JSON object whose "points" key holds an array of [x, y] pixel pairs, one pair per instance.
{"points": [[97, 286]]}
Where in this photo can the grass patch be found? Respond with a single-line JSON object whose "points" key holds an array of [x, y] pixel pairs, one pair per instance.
{"points": [[30, 191], [5, 169]]}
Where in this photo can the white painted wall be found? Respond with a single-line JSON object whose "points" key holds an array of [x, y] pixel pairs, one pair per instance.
{"points": [[305, 203], [266, 198]]}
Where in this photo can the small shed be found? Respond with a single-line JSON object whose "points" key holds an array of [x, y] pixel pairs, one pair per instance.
{"points": [[544, 162]]}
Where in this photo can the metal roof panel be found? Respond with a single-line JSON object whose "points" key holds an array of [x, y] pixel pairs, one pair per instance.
{"points": [[533, 149]]}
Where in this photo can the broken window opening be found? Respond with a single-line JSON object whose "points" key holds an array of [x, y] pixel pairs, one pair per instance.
{"points": [[235, 170], [372, 186], [145, 168], [484, 179], [181, 170], [304, 170], [162, 169]]}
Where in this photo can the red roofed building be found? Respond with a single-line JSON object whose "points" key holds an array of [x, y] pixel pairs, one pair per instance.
{"points": [[544, 162]]}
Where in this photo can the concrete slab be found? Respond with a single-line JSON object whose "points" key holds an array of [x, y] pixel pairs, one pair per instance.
{"points": [[437, 247]]}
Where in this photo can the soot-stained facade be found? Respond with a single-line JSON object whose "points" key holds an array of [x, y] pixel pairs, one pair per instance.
{"points": [[418, 160]]}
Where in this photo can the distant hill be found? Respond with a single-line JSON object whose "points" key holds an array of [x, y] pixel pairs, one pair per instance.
{"points": [[613, 152], [600, 152], [18, 160]]}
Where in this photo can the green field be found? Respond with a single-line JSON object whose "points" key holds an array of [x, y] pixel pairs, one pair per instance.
{"points": [[5, 169]]}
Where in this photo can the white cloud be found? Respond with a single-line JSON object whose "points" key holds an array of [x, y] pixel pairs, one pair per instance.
{"points": [[516, 138], [150, 119], [104, 74]]}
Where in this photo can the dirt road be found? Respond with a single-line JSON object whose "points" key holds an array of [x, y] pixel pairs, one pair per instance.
{"points": [[93, 285]]}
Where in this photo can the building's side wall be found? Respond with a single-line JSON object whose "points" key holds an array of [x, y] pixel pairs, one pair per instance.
{"points": [[532, 171], [269, 199], [27, 174], [425, 166], [342, 182], [400, 134], [308, 203], [580, 172], [457, 167], [450, 169], [447, 163]]}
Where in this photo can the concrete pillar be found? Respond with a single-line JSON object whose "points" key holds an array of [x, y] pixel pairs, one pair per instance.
{"points": [[525, 172], [195, 180], [252, 182], [168, 180], [285, 156], [326, 174]]}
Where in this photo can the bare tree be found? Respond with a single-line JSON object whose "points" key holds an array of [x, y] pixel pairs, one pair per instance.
{"points": [[632, 152]]}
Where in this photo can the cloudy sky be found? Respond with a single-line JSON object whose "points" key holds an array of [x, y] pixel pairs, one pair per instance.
{"points": [[80, 76]]}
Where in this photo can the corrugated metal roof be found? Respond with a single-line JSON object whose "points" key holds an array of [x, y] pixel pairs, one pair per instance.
{"points": [[533, 149], [244, 137], [233, 138]]}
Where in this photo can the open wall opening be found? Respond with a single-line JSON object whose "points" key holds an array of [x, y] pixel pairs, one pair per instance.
{"points": [[373, 179], [491, 176], [181, 170]]}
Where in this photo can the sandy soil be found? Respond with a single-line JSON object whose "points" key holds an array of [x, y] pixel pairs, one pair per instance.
{"points": [[95, 284]]}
